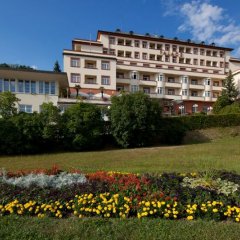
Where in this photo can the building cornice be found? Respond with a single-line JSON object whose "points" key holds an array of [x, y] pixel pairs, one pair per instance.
{"points": [[87, 54], [159, 39]]}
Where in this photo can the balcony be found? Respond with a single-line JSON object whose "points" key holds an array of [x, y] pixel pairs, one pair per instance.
{"points": [[174, 84], [148, 82], [172, 96], [90, 64], [196, 86], [123, 80], [196, 98]]}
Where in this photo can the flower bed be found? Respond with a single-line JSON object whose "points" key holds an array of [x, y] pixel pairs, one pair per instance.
{"points": [[60, 194]]}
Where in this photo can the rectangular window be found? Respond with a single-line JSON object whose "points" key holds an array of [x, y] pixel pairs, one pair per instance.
{"points": [[75, 62], [105, 65], [171, 92], [144, 56], [46, 88], [12, 85], [159, 46], [33, 87], [167, 47], [160, 78], [134, 88], [195, 62], [136, 43], [184, 92], [160, 90], [144, 44], [166, 59], [184, 79], [41, 87], [1, 85], [146, 77], [20, 86], [146, 90], [174, 48], [194, 93], [111, 40], [53, 88], [207, 81], [195, 51], [27, 86], [112, 51], [136, 55], [105, 80], [75, 78], [25, 108], [207, 94], [6, 85]]}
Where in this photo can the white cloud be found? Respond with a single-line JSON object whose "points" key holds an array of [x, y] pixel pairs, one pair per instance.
{"points": [[207, 22]]}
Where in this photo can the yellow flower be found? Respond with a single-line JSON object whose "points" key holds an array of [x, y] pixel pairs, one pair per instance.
{"points": [[189, 217], [215, 210], [147, 204]]}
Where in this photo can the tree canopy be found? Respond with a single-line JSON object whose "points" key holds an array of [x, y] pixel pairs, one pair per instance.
{"points": [[8, 104], [135, 119]]}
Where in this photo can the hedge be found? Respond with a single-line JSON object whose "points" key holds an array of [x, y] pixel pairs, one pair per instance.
{"points": [[208, 121]]}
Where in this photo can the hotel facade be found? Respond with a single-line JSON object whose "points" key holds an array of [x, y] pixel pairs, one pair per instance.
{"points": [[185, 76]]}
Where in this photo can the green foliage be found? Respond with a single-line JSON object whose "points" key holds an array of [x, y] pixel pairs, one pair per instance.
{"points": [[220, 186], [135, 119], [231, 109], [52, 124], [172, 131], [56, 67], [8, 103], [16, 66], [83, 126], [29, 128], [229, 94], [208, 121], [230, 90], [9, 137]]}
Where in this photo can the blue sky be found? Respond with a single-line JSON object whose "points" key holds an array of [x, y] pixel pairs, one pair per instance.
{"points": [[35, 33]]}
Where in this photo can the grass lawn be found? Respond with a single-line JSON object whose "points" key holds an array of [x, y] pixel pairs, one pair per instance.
{"points": [[222, 153], [32, 228]]}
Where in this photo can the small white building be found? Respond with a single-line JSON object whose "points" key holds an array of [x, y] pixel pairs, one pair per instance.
{"points": [[33, 87]]}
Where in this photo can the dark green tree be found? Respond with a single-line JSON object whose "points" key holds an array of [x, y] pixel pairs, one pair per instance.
{"points": [[56, 67], [229, 94], [8, 104], [83, 126], [52, 124], [135, 119], [230, 90], [30, 130]]}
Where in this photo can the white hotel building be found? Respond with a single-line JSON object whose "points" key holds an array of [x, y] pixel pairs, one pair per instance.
{"points": [[186, 76]]}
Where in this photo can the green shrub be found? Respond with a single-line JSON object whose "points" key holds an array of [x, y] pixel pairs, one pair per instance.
{"points": [[135, 119], [208, 121], [9, 137], [83, 127]]}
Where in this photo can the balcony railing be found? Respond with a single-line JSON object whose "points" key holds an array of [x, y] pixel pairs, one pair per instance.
{"points": [[90, 67]]}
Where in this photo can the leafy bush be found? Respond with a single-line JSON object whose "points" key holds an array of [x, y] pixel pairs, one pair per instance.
{"points": [[208, 121], [135, 119], [83, 127], [234, 108], [172, 131], [10, 138]]}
